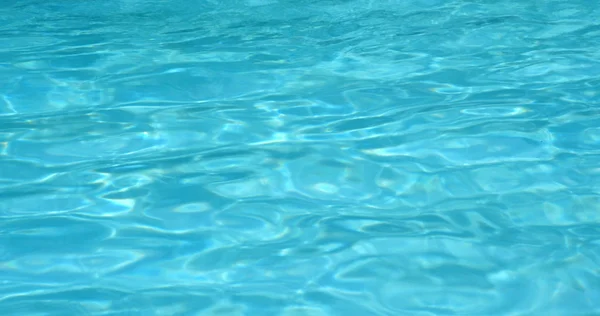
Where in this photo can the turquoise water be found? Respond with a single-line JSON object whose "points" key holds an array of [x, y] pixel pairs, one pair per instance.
{"points": [[278, 157]]}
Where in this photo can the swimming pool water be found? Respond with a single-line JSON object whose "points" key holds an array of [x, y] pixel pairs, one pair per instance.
{"points": [[278, 157]]}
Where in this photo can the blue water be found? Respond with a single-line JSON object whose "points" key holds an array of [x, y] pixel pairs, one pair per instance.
{"points": [[299, 158]]}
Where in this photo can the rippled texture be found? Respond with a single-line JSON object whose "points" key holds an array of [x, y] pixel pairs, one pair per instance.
{"points": [[278, 157]]}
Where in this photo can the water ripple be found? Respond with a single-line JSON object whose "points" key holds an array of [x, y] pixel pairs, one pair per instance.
{"points": [[269, 157]]}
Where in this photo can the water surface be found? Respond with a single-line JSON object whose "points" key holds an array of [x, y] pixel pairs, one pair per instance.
{"points": [[265, 157]]}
